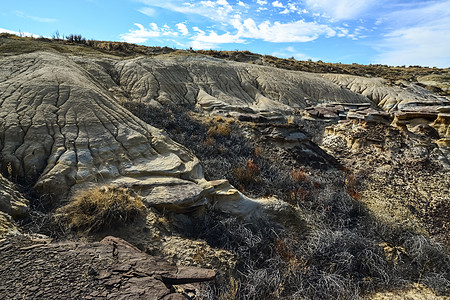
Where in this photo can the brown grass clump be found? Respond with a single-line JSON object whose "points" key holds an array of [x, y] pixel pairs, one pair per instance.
{"points": [[299, 175], [101, 208], [251, 173], [352, 187], [222, 129]]}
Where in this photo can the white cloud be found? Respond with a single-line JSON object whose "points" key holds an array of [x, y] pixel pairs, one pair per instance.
{"points": [[420, 36], [240, 3], [208, 3], [147, 11], [223, 2], [291, 52], [277, 4], [19, 33], [286, 11], [261, 2], [276, 32], [182, 28], [37, 19], [203, 41], [142, 35], [215, 10], [299, 31], [342, 9]]}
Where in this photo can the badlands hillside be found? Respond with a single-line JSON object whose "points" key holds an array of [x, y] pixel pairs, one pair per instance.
{"points": [[132, 172]]}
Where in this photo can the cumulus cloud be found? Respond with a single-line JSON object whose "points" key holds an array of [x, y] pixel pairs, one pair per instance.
{"points": [[142, 35], [299, 31], [211, 40], [208, 3], [261, 2], [277, 4], [223, 2], [182, 28], [240, 3]]}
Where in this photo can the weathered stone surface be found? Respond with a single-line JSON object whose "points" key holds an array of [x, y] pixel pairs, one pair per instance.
{"points": [[403, 176], [436, 82], [176, 197], [11, 201], [6, 223], [389, 98], [228, 86], [62, 128], [442, 122], [110, 269]]}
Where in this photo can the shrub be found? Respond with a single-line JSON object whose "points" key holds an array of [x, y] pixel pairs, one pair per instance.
{"points": [[299, 175], [76, 38], [219, 129], [101, 208], [250, 173]]}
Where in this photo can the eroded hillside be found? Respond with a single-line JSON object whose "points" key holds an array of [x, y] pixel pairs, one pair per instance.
{"points": [[290, 184]]}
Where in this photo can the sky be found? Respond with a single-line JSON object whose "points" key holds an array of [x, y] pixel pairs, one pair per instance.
{"points": [[391, 32]]}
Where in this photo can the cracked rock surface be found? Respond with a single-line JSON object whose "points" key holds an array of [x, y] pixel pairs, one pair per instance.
{"points": [[110, 269], [62, 125], [60, 128]]}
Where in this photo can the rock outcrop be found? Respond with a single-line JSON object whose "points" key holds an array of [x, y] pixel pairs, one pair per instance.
{"points": [[334, 159], [13, 206], [389, 98], [60, 128], [11, 201], [110, 269]]}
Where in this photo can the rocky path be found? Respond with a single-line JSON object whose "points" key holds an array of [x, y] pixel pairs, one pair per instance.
{"points": [[35, 268]]}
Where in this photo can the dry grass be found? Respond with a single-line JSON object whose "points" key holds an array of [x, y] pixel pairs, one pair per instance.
{"points": [[101, 208], [222, 129], [250, 173], [299, 175]]}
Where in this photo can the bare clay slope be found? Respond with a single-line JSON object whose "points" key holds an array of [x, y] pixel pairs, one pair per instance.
{"points": [[62, 124], [60, 128]]}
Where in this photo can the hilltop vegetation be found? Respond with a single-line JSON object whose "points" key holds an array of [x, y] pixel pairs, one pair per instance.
{"points": [[393, 74]]}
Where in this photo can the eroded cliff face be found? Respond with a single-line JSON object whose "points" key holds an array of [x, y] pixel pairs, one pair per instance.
{"points": [[61, 128], [329, 157], [64, 128]]}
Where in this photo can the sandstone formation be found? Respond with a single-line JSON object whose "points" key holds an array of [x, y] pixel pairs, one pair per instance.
{"points": [[11, 201], [63, 125], [61, 128], [389, 98], [304, 180]]}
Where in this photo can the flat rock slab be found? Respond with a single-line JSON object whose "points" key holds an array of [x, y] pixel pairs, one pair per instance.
{"points": [[175, 197], [110, 269]]}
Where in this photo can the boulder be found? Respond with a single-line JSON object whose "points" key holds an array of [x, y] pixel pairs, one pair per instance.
{"points": [[12, 202]]}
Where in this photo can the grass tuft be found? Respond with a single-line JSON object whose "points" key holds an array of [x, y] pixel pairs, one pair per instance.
{"points": [[101, 208]]}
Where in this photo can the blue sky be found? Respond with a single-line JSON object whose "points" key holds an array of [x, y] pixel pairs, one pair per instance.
{"points": [[392, 32]]}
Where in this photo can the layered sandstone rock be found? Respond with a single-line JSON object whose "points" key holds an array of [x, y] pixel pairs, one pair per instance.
{"points": [[11, 201], [63, 128], [389, 98]]}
